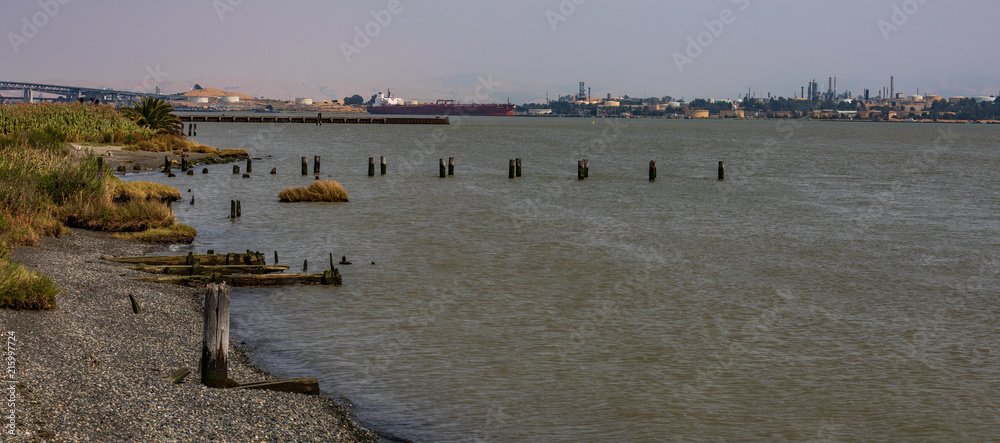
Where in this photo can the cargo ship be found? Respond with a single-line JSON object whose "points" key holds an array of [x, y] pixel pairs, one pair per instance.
{"points": [[387, 104]]}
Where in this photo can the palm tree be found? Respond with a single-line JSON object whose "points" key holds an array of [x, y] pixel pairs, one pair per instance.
{"points": [[156, 114]]}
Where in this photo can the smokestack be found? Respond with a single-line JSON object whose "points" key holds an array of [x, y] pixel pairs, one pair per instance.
{"points": [[803, 89], [829, 86], [892, 86], [834, 86]]}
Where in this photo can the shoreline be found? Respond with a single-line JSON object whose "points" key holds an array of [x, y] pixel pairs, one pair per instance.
{"points": [[94, 370]]}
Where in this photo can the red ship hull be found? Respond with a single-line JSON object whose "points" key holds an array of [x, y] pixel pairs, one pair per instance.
{"points": [[445, 109]]}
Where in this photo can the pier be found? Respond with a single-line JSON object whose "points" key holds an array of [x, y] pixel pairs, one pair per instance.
{"points": [[289, 119]]}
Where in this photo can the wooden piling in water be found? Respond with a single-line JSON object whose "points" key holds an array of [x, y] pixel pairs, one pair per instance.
{"points": [[236, 169], [305, 265], [383, 165], [451, 165], [510, 168], [319, 119], [517, 167], [652, 170], [184, 162], [195, 130], [275, 257], [204, 170], [249, 165], [166, 164], [579, 170], [274, 171], [305, 166], [586, 168], [190, 172], [442, 169], [722, 170], [316, 164], [232, 209], [190, 128], [371, 166], [239, 209], [215, 343]]}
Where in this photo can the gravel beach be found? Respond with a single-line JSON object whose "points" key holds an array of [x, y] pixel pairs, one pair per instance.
{"points": [[94, 371]]}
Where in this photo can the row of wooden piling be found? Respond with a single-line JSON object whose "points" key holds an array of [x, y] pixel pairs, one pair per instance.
{"points": [[444, 169]]}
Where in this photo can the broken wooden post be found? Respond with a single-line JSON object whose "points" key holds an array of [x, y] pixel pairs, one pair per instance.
{"points": [[239, 209], [166, 164], [451, 165], [195, 129], [319, 119], [722, 170], [275, 257], [190, 172], [316, 164], [652, 170], [586, 168], [236, 169], [517, 167], [204, 170], [184, 162], [371, 166], [579, 169], [305, 166], [383, 165], [510, 168], [215, 345], [190, 128], [274, 171], [305, 265], [232, 209], [249, 165], [441, 169]]}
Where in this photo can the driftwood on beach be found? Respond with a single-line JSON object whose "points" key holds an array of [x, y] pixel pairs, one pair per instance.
{"points": [[208, 269], [248, 258]]}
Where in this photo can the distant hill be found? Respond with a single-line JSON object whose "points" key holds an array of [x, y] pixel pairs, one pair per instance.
{"points": [[215, 93]]}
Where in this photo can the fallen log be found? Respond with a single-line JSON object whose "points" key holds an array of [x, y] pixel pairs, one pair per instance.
{"points": [[205, 259], [304, 385], [238, 279], [208, 269]]}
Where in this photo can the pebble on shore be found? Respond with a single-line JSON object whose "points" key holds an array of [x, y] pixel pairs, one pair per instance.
{"points": [[94, 370]]}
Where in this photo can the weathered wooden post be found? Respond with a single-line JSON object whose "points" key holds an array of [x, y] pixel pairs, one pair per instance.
{"points": [[442, 169], [579, 169], [319, 119], [331, 261], [305, 265], [166, 164], [383, 165], [316, 164], [586, 168], [722, 170], [371, 166], [517, 167], [274, 171], [195, 129], [215, 345], [305, 166], [190, 128], [236, 169], [239, 209], [184, 162], [249, 165], [652, 170], [192, 197], [275, 257], [451, 165], [510, 168], [100, 167]]}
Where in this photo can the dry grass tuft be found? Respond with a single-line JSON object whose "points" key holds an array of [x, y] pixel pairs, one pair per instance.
{"points": [[23, 289], [176, 233], [318, 191], [128, 191]]}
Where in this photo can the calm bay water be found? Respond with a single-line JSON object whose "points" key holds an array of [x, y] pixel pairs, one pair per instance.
{"points": [[840, 284]]}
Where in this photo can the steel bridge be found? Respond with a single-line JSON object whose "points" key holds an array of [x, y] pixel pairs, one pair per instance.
{"points": [[67, 93]]}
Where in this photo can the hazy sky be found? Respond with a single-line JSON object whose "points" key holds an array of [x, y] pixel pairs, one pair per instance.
{"points": [[520, 49]]}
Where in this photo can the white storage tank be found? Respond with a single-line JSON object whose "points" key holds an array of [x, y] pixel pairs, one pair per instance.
{"points": [[198, 99], [303, 101], [230, 99]]}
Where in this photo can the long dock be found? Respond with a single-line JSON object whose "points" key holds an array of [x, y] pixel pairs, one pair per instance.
{"points": [[288, 119]]}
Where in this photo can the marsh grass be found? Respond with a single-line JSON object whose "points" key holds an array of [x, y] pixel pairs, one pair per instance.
{"points": [[44, 190], [176, 233], [318, 191]]}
